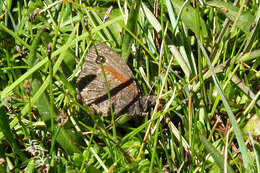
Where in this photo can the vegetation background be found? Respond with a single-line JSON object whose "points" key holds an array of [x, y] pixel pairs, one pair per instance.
{"points": [[200, 58]]}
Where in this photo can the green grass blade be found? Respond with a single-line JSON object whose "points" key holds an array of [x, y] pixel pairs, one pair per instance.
{"points": [[13, 34], [8, 89], [245, 19], [215, 154], [43, 106], [231, 116], [187, 16], [256, 150], [5, 128], [151, 18], [131, 25]]}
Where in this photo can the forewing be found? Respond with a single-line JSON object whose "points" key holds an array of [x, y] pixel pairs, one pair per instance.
{"points": [[122, 85]]}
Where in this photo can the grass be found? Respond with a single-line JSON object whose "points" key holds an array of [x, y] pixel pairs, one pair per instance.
{"points": [[200, 60]]}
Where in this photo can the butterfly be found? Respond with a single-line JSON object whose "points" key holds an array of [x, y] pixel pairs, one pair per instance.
{"points": [[123, 88]]}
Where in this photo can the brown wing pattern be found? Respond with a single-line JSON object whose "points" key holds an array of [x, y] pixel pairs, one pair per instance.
{"points": [[122, 85]]}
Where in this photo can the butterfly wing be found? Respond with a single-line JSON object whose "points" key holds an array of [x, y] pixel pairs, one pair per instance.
{"points": [[122, 85]]}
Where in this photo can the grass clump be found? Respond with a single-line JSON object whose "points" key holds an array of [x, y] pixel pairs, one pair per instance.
{"points": [[200, 59]]}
